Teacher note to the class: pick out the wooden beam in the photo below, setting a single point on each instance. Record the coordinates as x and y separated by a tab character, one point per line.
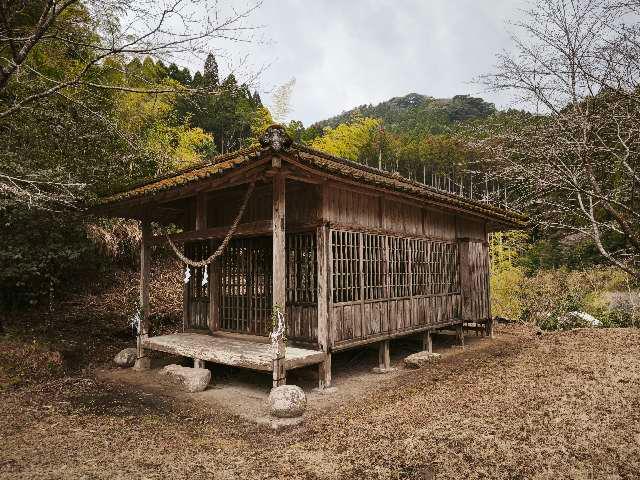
215	281
360	268
279	293
249	229
143	362
201	211
465	280
323	210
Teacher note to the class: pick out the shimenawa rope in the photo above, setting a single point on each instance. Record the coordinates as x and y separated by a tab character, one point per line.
227	238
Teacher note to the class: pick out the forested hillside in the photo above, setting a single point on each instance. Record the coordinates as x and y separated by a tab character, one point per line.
415	113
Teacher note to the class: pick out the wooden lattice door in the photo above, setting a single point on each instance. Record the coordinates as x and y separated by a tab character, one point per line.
197	295
245	303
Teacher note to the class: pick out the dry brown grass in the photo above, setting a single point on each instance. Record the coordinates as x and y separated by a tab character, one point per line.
86	328
564	405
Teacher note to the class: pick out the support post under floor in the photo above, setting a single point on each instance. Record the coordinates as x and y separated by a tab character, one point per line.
197	363
489	327
427	341
460	335
324	373
384	358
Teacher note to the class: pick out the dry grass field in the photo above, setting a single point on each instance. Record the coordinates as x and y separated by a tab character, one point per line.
523	406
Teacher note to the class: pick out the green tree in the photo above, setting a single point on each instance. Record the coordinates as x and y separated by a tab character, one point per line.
210	77
350	140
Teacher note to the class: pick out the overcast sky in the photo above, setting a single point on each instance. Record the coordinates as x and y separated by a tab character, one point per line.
348	53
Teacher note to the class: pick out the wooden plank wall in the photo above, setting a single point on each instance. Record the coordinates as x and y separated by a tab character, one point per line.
416	285
393	299
302	205
475	280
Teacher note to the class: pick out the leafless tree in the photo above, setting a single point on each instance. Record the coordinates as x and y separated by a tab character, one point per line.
576	161
101	36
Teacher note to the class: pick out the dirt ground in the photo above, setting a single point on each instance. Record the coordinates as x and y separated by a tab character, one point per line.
560	405
244	393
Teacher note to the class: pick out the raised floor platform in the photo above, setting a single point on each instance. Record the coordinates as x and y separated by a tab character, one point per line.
232	351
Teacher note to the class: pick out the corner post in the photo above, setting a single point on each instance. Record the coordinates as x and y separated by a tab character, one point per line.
143	362
324	372
489	328
465	280
279	267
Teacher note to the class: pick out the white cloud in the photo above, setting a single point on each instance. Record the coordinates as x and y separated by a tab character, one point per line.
344	54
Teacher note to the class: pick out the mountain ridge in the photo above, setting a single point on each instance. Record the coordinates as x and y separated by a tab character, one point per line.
415	113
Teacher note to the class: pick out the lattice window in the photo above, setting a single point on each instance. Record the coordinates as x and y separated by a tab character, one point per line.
443	268
399	281
345	249
420	267
450	264
374	265
197	251
392	267
301	268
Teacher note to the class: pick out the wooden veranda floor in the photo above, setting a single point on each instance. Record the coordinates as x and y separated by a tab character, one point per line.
232	351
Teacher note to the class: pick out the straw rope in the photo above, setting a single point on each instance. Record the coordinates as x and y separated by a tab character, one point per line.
227	238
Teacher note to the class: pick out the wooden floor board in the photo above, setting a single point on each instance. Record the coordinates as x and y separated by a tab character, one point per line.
230	351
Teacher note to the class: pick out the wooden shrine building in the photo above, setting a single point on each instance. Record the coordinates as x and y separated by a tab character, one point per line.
355	255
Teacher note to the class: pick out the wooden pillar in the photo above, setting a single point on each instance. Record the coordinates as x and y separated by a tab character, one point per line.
279	268
427	341
143	362
214	292
459	335
489	326
201	211
384	358
198	363
465	280
322	240
324	373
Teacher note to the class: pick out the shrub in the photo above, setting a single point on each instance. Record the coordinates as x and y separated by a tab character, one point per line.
549	295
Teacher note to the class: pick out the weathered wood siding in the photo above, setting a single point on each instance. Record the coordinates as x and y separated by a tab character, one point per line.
394	267
302	205
471	229
474	256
